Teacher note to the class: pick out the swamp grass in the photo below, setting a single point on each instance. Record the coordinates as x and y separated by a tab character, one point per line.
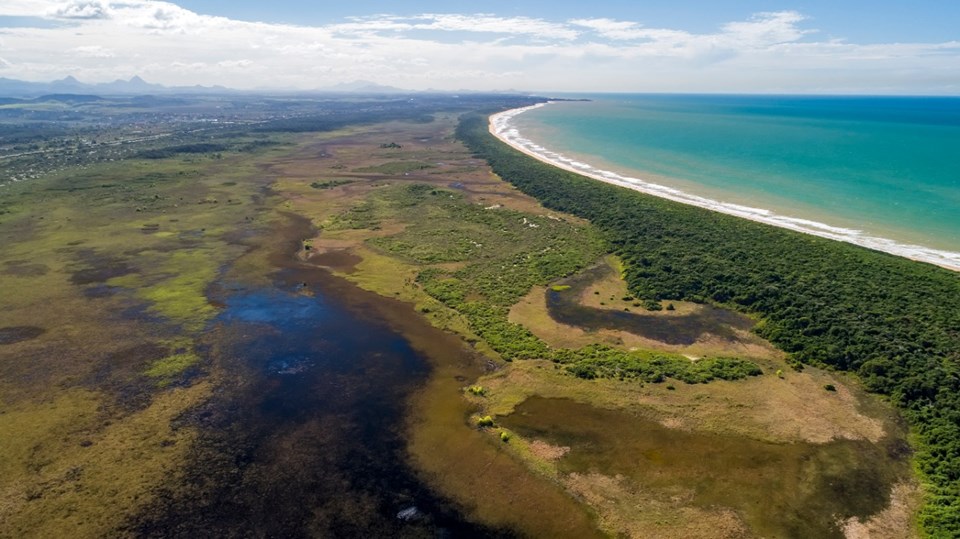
111	264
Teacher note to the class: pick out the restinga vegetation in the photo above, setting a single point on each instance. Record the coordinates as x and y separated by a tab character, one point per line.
500	254
892	321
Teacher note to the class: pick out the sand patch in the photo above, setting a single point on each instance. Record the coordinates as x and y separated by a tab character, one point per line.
547	451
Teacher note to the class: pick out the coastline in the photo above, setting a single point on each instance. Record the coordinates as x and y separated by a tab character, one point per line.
500	127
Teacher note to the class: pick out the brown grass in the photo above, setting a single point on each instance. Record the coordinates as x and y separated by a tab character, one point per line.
545	451
793	409
625	509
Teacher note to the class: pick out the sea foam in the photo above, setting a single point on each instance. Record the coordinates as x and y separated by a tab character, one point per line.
502	127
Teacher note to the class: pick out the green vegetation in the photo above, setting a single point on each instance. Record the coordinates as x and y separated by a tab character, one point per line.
117	259
502	255
599	361
172	366
330	184
890	320
163	153
361	216
478	391
485	421
396	167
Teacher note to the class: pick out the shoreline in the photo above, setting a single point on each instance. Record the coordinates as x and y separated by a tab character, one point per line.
500	127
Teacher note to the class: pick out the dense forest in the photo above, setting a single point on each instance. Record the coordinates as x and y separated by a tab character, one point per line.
892	321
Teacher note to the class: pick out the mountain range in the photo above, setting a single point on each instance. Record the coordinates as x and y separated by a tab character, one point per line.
138	86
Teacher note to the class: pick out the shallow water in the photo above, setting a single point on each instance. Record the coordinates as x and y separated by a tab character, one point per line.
305	436
685	329
780	490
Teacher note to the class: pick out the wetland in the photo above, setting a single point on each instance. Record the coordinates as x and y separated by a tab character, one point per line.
279	338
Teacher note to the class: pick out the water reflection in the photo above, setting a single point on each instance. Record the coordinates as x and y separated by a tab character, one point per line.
305	436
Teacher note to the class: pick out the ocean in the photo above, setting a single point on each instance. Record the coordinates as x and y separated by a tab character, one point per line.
883	172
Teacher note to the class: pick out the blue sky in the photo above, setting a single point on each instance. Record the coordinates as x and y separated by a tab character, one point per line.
746	46
866	21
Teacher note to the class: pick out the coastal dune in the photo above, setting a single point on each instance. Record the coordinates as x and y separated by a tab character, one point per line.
502	127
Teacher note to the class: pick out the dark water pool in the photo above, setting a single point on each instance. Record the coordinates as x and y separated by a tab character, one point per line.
564	307
305	436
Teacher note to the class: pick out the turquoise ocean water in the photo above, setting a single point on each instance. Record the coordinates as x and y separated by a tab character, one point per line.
863	169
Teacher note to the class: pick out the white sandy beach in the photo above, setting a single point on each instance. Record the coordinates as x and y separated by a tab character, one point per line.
501	127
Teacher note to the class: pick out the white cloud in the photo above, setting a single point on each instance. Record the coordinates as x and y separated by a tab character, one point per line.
93	51
107	39
761	30
27	8
765	29
608	27
492	24
229	64
480	23
83	9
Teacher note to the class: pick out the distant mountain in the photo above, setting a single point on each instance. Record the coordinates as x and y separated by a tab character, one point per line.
70	85
70	98
137	86
363	87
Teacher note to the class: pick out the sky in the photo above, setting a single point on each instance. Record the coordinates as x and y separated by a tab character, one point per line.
727	46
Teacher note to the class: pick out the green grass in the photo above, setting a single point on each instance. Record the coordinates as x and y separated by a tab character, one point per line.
362	216
172	366
330	184
504	254
396	167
